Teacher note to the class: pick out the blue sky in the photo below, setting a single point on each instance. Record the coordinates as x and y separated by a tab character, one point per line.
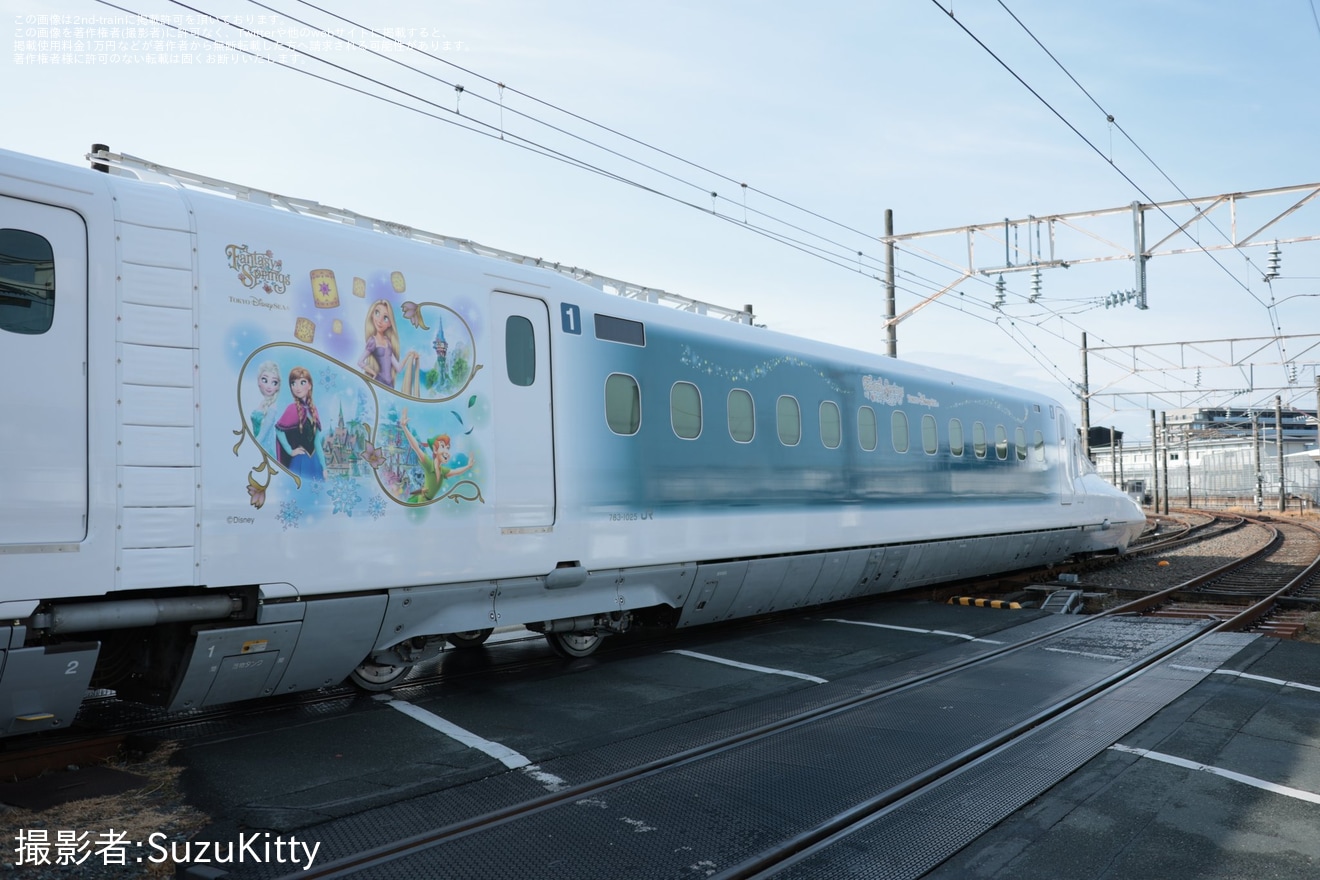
844	109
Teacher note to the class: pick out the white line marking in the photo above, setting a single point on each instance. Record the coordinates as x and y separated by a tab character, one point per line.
549	781
505	755
1247	675
913	629
1083	654
801	675
1297	793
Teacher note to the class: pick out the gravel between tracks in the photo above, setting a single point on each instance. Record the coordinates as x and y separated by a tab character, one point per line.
1159	571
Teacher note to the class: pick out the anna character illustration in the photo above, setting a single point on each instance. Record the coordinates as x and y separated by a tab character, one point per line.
263	417
299	430
434	463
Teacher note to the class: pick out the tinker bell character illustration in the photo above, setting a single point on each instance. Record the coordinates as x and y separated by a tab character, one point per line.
381	359
263	417
299	430
435	466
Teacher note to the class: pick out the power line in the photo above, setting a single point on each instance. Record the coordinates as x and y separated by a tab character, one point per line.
475	126
1109	117
1108	161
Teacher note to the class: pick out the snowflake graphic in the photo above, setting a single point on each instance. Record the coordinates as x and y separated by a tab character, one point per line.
344	495
289	515
329	381
376	507
692	359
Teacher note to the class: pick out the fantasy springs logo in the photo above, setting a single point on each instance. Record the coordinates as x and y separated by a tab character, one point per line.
257	268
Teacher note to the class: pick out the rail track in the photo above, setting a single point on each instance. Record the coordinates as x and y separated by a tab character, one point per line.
1249	595
792	855
1269	592
1279	582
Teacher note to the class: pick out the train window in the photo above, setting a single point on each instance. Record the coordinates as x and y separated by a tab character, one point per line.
867	434
898	424
620	330
1020	443
27	282
978	439
685	410
520	350
831	424
742	416
955	437
930	440
1001	443
623	404
788	416
1040	446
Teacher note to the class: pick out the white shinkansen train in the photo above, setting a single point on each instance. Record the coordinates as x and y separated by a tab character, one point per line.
259	446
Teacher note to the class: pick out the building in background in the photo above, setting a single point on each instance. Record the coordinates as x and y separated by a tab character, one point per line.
1218	458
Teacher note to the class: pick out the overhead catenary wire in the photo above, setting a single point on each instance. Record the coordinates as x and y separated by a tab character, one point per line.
842	260
842	257
1271	306
837	253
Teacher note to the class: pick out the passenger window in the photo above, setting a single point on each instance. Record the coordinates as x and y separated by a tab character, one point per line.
831	425
867	433
1001	443
898	424
1020	443
27	282
520	350
685	410
623	404
742	416
788	415
978	439
1040	446
930	440
955	437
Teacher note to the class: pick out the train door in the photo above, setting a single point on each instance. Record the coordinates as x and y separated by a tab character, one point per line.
43	334
523	470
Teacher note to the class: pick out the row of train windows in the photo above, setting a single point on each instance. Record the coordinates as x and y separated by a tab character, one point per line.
623	413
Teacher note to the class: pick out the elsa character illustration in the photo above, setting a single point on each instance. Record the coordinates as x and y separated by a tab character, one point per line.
434	463
299	430
263	417
381	359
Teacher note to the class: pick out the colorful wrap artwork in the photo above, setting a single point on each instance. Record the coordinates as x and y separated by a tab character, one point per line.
357	404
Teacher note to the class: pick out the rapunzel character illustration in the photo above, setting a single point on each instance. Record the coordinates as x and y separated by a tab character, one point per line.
434	463
263	417
299	430
381	360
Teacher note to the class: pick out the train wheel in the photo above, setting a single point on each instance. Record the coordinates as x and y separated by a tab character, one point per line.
470	639
377	677
573	644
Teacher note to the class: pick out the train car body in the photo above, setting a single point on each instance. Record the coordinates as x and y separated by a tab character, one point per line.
252	452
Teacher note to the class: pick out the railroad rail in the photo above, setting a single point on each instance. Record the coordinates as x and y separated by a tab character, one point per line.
418	854
1262	592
